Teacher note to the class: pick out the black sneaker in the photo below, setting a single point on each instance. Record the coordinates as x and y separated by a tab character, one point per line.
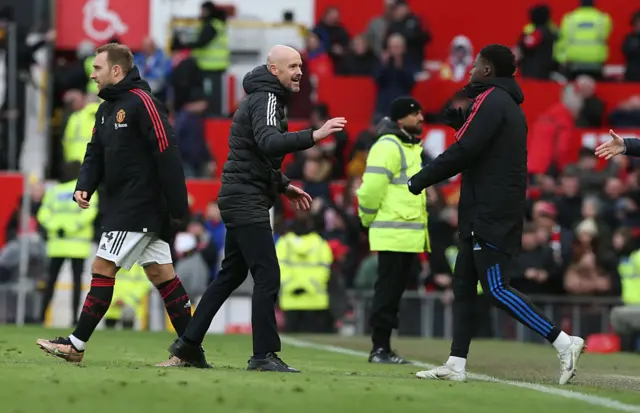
270	363
184	354
383	356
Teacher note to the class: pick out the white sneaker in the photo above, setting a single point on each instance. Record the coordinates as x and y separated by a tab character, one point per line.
569	359
443	372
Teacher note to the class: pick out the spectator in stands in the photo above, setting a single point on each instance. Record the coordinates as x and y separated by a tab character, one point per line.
460	60
211	52
394	75
536	44
189	129
569	200
627	114
316	173
330	153
376	33
628	210
34	198
592	110
592	209
360	150
592	271
407	24
591	179
544	216
631	50
186	79
583	44
300	105
332	34
538	272
552	145
153	66
317	58
613	191
332	148
359	59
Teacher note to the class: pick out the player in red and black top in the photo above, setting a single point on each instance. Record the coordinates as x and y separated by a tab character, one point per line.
491	153
133	153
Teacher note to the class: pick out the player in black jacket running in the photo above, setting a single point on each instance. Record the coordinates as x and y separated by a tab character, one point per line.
251	181
134	154
491	153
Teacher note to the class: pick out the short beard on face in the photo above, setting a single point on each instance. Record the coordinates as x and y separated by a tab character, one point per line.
413	130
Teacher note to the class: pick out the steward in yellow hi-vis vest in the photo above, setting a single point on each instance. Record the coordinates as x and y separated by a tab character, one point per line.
69	234
129	299
584	37
78	132
211	49
397	220
305	270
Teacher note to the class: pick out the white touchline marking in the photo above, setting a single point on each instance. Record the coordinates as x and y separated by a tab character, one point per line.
569	394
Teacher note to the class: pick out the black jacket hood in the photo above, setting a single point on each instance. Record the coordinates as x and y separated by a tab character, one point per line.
508	84
131	81
261	80
388	127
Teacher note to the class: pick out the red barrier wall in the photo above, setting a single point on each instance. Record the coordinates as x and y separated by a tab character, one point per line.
355	98
11	186
484	22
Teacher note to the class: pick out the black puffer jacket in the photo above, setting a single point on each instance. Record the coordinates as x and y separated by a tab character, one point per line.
258	142
491	154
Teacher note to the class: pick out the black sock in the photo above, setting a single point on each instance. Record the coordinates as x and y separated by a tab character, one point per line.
176	301
260	356
95	306
381	339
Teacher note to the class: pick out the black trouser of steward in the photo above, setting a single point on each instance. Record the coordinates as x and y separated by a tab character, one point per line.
77	267
479	260
394	273
246	248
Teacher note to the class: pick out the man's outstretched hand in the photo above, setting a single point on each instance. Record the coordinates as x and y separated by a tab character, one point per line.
329	128
612	148
298	197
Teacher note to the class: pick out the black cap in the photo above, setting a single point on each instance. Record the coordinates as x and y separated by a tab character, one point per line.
404	106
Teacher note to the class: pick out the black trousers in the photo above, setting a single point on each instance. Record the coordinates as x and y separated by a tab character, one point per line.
77	267
246	248
481	261
394	273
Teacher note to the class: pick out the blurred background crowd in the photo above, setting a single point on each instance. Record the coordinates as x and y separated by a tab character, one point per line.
582	227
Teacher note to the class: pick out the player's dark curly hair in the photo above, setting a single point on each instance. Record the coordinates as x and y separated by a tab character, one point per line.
501	58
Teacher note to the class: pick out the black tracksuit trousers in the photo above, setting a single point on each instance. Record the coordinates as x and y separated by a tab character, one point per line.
247	248
479	260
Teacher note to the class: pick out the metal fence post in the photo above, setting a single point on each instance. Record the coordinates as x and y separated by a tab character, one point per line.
12	84
24	240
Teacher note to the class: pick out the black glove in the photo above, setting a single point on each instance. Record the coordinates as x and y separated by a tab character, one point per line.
454	117
179	224
61	233
414	189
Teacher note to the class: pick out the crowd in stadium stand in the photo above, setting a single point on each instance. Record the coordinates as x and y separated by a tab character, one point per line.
583	218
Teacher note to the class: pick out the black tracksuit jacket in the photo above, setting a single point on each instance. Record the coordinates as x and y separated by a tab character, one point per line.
258	142
491	154
133	153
